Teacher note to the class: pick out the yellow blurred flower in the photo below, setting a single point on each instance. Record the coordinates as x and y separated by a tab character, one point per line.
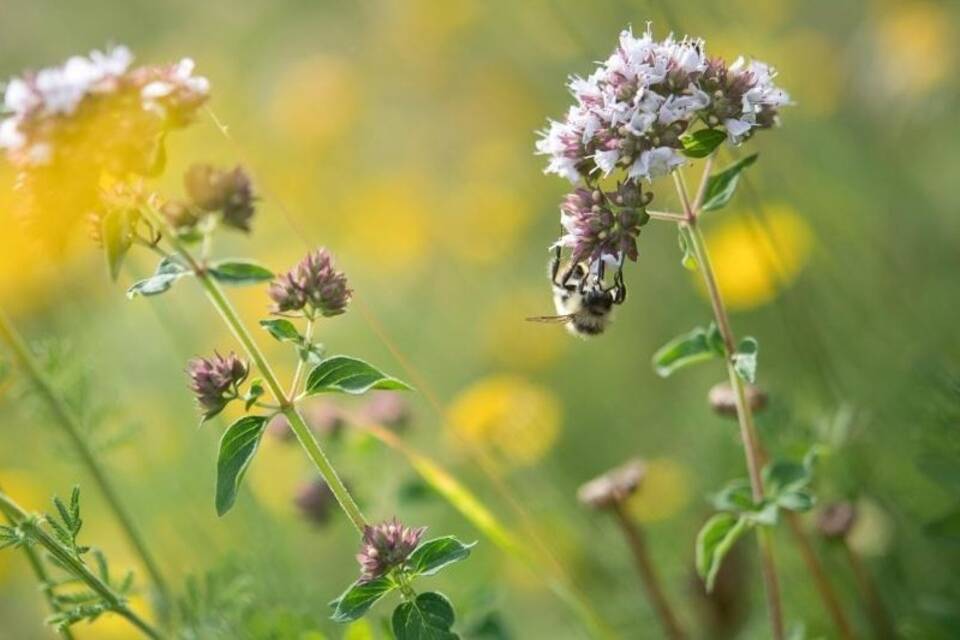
755	258
276	475
315	99
485	222
665	490
512	342
387	223
507	414
915	47
111	626
359	630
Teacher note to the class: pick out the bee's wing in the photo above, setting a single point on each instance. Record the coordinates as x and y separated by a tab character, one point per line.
552	319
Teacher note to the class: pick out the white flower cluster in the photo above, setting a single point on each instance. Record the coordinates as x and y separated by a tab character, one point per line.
631	112
35	102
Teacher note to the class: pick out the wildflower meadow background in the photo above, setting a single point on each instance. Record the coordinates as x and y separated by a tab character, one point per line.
400	135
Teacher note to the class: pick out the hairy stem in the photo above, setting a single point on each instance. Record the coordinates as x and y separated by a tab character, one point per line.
748	432
299	426
43	579
68	422
74	565
648	575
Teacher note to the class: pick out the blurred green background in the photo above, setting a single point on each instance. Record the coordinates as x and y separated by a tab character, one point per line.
400	134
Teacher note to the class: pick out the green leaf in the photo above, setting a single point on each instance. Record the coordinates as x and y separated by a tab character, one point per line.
766	514
702	143
798	501
689	260
168	272
256	390
781	476
946	527
687	349
714	541
237	447
359	597
722	185
116	234
428	617
745	359
735	497
344	374
282	329
239	272
434	555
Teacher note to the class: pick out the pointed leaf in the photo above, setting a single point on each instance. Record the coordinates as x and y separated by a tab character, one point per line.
282	329
116	236
359	597
239	272
344	374
434	555
689	260
687	349
745	359
168	271
237	448
428	617
722	185
714	541
702	143
799	501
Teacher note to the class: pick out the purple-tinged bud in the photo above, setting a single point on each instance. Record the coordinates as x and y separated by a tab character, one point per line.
215	381
229	192
835	520
387	409
313	283
386	546
179	214
600	225
723	400
315	501
614	486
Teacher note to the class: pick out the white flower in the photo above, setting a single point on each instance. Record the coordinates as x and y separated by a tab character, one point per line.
10	136
655	163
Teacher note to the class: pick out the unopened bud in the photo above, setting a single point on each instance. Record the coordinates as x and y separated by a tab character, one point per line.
614	486
723	399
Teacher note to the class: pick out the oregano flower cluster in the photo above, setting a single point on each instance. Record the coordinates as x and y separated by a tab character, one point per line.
631	116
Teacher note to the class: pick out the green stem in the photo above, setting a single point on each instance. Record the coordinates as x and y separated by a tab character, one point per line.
40	572
301	361
748	432
70	425
74	565
299	426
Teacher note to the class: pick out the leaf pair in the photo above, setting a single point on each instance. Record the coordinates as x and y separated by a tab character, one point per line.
427	559
702	344
233	272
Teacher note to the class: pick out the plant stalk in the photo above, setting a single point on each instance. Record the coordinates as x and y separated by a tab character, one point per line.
748	432
299	426
648	575
70	425
67	559
878	612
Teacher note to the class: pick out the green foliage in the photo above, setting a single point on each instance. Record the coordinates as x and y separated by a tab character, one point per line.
239	272
689	260
702	142
168	271
237	447
253	394
690	348
285	331
714	541
722	185
68	527
359	597
429	558
745	359
439	553
215	605
116	235
344	374
427	617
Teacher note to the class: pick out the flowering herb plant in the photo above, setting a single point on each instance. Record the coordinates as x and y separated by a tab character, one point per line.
648	110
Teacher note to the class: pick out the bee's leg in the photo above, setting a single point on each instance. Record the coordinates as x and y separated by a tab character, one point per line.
582	285
601	271
555	266
620	295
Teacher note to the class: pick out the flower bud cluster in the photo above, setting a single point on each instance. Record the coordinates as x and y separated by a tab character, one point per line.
599	224
212	189
312	287
386	546
215	381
